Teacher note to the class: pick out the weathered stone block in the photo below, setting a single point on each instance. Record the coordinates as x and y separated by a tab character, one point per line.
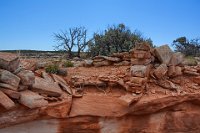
32	100
27	77
9	61
5	101
160	71
9	78
176	59
164	54
45	87
140	70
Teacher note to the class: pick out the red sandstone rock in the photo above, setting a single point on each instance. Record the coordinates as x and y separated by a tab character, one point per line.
9	61
32	100
139	54
9	78
97	105
197	80
140	61
11	93
8	86
140	71
47	77
45	87
27	77
6	102
160	71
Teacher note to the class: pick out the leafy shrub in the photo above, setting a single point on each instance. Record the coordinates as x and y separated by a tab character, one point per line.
52	69
68	64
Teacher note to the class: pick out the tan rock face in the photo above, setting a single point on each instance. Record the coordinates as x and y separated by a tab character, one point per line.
5	101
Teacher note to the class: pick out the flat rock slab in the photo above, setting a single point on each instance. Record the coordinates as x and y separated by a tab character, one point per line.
32	100
9	61
164	54
9	78
5	101
98	105
11	93
43	86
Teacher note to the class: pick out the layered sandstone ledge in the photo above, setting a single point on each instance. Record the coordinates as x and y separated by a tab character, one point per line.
155	94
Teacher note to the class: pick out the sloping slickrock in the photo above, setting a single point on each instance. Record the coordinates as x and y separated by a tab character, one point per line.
63	83
11	93
47	77
164	54
45	87
32	100
9	78
5	101
9	61
98	105
27	77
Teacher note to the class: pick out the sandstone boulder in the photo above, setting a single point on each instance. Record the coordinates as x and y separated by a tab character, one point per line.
62	83
8	86
9	78
45	87
160	71
5	101
32	100
27	77
140	70
137	81
47	77
9	61
176	59
164	54
12	94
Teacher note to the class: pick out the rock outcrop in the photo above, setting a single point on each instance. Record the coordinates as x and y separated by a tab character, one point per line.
154	94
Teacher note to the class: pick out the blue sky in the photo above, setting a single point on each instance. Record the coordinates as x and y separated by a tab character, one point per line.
30	24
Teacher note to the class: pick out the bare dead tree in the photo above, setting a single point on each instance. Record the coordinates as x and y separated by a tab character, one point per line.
76	37
81	39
